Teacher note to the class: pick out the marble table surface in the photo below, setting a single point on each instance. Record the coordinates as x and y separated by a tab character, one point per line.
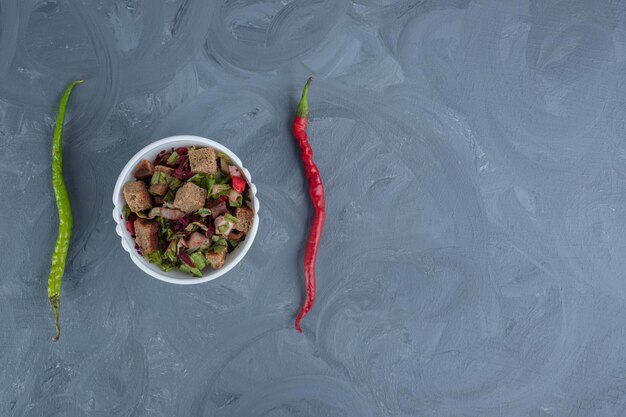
474	257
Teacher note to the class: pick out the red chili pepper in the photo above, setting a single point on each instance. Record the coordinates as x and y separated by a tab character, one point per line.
239	184
316	193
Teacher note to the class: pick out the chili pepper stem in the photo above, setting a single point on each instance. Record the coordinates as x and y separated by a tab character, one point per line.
55	302
303	106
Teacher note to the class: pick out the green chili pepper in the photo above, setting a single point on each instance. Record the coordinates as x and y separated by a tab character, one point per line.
59	256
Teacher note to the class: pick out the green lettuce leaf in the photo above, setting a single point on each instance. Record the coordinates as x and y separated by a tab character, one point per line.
126	211
198	260
219	190
222	178
173	158
160	177
219	245
171	251
154	257
230	218
166	231
203	180
204	212
219	248
185	268
158	258
175	184
237	203
169	197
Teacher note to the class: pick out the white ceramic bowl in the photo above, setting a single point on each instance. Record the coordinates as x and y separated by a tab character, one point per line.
128	243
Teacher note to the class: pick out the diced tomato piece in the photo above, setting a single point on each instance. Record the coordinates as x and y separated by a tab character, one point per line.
181	151
239	184
130	226
224	198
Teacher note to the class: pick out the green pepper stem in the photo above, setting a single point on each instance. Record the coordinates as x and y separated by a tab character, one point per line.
303	107
56	305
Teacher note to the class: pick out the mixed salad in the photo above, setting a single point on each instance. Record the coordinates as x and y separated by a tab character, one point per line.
187	209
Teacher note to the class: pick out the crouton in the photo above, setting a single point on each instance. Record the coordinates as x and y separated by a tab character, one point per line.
147	235
163	168
159	189
137	196
245	216
218	207
216	260
144	170
203	160
190	198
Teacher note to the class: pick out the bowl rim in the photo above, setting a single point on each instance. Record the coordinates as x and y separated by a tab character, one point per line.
121	227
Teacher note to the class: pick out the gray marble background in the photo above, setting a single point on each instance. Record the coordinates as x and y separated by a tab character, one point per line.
474	258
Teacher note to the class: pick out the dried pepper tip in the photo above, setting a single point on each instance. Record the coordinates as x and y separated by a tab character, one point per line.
303	107
55	303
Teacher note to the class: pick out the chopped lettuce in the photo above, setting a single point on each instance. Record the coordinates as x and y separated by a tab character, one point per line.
164	224
185	268
237	203
159	259
172	250
169	197
173	158
141	215
219	190
205	181
235	199
219	244
126	212
160	177
154	257
233	242
175	184
230	218
166	231
198	260
204	212
193	226
222	178
219	248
